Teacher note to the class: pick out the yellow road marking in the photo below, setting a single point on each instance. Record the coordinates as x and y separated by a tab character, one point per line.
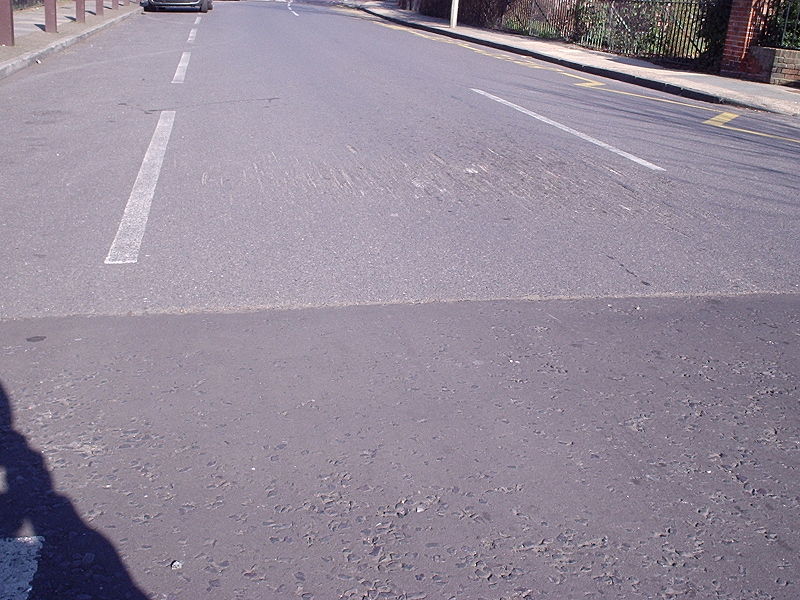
662	100
468	46
722	120
586	82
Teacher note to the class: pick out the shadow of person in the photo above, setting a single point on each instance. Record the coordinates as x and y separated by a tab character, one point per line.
75	562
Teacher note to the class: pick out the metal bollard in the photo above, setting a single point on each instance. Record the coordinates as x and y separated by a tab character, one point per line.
50	18
80	11
6	23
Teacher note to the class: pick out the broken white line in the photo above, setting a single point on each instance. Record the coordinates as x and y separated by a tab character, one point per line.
583	136
125	248
192	35
180	72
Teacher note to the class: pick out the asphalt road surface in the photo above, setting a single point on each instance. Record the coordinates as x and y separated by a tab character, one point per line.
295	303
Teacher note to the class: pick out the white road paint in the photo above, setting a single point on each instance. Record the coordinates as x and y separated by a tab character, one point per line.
583	136
180	72
18	562
192	35
197	20
125	248
287	2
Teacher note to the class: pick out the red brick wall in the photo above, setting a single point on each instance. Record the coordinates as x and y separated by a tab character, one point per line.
746	22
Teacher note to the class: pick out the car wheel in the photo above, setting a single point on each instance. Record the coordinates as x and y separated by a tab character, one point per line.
210	4
148	7
204	6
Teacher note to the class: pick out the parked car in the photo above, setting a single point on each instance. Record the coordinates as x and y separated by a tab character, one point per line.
201	5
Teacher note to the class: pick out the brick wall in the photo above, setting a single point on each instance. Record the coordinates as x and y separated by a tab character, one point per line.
786	68
748	18
774	65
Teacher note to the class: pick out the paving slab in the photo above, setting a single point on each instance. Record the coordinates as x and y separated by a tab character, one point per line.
32	43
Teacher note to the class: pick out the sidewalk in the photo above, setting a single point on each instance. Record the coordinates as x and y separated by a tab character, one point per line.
698	86
32	44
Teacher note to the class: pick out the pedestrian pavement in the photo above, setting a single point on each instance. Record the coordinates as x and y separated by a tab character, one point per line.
33	44
698	86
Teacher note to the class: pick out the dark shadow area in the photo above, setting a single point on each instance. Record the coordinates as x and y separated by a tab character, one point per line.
20	4
76	561
173	9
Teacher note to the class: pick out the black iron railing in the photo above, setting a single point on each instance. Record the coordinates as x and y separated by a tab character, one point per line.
782	25
20	4
684	32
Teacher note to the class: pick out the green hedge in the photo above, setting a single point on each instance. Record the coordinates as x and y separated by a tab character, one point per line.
783	26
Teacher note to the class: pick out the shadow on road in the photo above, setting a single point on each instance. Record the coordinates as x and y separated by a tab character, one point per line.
76	561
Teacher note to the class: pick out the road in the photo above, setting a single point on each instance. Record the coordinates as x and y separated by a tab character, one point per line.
298	303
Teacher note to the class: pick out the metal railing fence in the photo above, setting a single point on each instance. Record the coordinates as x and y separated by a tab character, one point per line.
686	33
690	33
20	4
782	25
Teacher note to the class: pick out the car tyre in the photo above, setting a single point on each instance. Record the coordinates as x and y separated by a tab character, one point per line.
204	6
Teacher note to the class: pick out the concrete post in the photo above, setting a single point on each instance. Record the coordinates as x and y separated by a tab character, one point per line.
50	17
98	7
80	11
453	13
6	23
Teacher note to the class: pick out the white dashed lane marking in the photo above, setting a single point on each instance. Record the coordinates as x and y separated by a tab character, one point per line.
180	72
583	136
125	248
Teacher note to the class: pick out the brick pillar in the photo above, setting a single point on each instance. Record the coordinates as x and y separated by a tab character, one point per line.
745	25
